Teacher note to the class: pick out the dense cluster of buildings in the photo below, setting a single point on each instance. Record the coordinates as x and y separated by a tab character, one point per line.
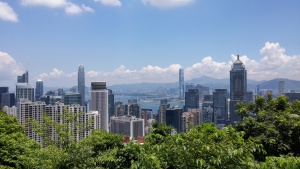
102	112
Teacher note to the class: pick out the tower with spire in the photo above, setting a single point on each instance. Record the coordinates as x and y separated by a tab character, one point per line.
238	88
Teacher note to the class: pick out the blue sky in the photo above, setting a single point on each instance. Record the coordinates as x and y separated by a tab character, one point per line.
147	40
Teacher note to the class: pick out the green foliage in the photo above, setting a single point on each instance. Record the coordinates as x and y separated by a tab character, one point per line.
159	133
281	162
16	149
276	126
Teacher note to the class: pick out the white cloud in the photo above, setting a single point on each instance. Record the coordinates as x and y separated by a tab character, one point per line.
110	2
70	8
7	13
87	8
274	63
9	68
55	74
167	3
46	3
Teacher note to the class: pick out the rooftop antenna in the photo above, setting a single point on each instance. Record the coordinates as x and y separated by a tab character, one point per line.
238	49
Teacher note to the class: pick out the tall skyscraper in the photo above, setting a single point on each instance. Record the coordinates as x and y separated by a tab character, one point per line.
39	89
81	84
238	88
2	91
181	83
191	99
99	102
23	78
220	107
111	103
281	87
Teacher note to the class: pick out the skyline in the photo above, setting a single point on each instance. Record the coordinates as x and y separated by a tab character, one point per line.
134	41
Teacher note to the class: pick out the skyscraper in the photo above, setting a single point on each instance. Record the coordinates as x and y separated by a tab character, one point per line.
23	78
220	109
181	83
191	99
81	84
281	86
111	103
2	90
99	102
238	88
39	89
173	118
24	91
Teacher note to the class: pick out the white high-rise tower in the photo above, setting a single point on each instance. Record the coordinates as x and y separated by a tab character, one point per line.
99	102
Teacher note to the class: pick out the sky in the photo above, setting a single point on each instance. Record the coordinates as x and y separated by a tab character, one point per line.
133	41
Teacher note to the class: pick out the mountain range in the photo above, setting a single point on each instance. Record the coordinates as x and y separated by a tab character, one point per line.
212	83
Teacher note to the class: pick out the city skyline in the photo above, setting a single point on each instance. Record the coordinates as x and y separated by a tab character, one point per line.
124	42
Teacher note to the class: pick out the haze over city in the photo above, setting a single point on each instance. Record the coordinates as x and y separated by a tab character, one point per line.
147	40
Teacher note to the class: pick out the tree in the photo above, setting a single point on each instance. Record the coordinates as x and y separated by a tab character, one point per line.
276	125
16	149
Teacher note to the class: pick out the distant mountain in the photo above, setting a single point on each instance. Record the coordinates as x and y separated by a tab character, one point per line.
273	84
210	82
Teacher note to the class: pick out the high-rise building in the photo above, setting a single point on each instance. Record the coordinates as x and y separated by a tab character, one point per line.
238	88
258	89
92	117
31	110
35	110
202	91
8	99
191	99
24	91
99	102
119	109
162	110
81	84
293	96
39	89
181	83
72	98
146	114
220	108
133	108
111	103
23	78
189	86
208	115
128	126
207	101
190	119
2	90
173	118
281	87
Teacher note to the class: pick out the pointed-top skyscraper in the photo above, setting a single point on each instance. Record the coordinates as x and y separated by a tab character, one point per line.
238	88
181	84
81	83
